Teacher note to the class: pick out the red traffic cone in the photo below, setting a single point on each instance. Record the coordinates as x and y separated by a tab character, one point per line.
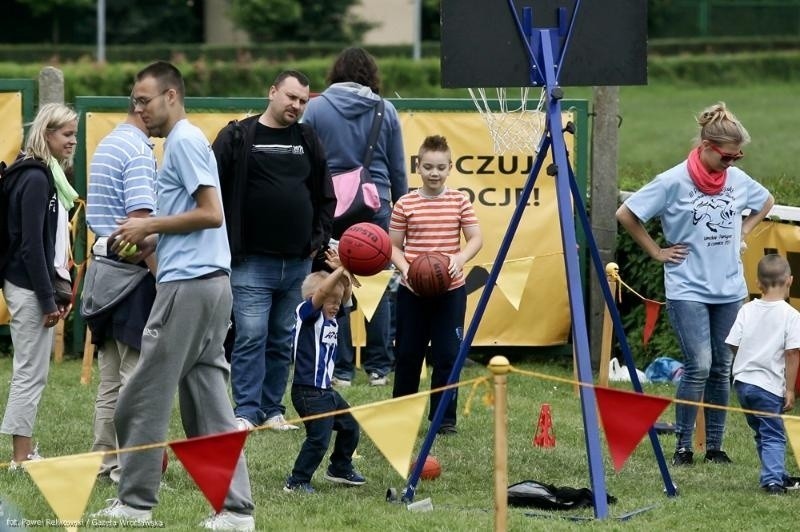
544	436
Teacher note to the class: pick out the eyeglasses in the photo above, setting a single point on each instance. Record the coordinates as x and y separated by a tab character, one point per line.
726	157
144	102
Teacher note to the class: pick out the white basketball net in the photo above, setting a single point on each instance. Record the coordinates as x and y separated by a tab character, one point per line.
512	130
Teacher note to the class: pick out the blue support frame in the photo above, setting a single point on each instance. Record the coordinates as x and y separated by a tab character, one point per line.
544	46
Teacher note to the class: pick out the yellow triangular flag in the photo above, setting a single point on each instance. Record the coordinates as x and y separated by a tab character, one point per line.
792	427
66	482
393	427
513	278
358	332
371	291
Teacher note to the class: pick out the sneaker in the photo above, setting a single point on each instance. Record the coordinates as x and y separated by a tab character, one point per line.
791	483
377	380
279	423
116	509
34	455
353	478
227	520
717	457
774	489
244	424
447	429
340	383
683	456
293	486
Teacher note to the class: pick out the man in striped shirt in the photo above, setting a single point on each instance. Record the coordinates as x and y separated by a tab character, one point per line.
121	184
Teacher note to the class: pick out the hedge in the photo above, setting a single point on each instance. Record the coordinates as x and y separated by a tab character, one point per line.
401	76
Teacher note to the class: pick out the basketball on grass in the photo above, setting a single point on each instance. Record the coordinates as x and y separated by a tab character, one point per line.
428	274
365	249
431	470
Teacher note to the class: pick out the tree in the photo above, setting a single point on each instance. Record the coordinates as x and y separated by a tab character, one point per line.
299	20
55	8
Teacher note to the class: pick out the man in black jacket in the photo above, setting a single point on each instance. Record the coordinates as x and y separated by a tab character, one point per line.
279	201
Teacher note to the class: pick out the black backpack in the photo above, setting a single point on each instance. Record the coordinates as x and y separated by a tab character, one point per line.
8	176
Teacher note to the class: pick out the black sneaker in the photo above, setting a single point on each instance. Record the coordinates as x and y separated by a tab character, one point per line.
353	478
447	429
791	483
717	457
774	489
683	456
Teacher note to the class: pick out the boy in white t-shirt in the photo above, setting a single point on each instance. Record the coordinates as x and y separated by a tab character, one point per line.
766	340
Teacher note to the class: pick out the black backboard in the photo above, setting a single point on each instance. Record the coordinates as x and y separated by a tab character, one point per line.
482	47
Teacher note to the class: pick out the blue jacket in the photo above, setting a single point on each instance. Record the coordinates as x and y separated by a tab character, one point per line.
342	117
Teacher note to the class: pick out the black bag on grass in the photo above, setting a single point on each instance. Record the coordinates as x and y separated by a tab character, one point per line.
532	494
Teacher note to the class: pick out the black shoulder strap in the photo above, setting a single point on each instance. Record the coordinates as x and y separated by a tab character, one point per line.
373	134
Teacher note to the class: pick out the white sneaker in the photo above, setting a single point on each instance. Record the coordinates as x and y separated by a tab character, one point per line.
116	509
227	520
279	423
17	466
377	380
340	383
244	424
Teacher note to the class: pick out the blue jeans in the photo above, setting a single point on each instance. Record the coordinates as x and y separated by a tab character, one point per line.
701	329
378	354
266	292
770	435
309	401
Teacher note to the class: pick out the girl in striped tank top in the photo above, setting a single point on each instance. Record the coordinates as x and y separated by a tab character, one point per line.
431	218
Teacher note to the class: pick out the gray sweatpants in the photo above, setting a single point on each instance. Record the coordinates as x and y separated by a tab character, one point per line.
181	350
33	343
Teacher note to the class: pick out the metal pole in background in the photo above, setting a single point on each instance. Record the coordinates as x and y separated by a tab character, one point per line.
417	30
101	31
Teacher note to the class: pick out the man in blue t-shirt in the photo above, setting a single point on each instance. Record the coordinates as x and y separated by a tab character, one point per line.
182	341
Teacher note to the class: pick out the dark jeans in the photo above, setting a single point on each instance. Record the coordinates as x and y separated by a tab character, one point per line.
440	321
309	401
377	355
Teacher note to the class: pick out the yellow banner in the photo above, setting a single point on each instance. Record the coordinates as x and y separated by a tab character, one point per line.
493	183
10	144
533	313
773	237
10	125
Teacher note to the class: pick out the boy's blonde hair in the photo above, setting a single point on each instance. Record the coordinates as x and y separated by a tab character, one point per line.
773	271
312	282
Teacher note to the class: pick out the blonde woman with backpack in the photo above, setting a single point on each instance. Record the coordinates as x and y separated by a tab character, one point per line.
38	198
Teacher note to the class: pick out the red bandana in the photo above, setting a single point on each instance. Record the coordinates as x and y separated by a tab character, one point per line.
710	183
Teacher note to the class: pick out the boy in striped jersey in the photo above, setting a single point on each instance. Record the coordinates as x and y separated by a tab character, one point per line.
432	218
314	349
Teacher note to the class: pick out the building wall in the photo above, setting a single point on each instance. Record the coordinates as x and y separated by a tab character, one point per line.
395	19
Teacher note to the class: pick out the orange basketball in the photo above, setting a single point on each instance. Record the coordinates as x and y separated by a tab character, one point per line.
431	470
428	274
365	249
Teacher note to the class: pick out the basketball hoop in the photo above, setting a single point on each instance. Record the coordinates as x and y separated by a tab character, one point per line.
512	130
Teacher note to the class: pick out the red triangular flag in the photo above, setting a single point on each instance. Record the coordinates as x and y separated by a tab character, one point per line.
626	417
651	311
211	461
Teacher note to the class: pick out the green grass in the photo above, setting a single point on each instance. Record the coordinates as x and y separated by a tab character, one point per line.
722	497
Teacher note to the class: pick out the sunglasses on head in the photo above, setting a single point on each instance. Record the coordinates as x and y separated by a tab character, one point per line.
726	157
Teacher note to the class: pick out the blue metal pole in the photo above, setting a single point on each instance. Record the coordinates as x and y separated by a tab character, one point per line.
569	241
